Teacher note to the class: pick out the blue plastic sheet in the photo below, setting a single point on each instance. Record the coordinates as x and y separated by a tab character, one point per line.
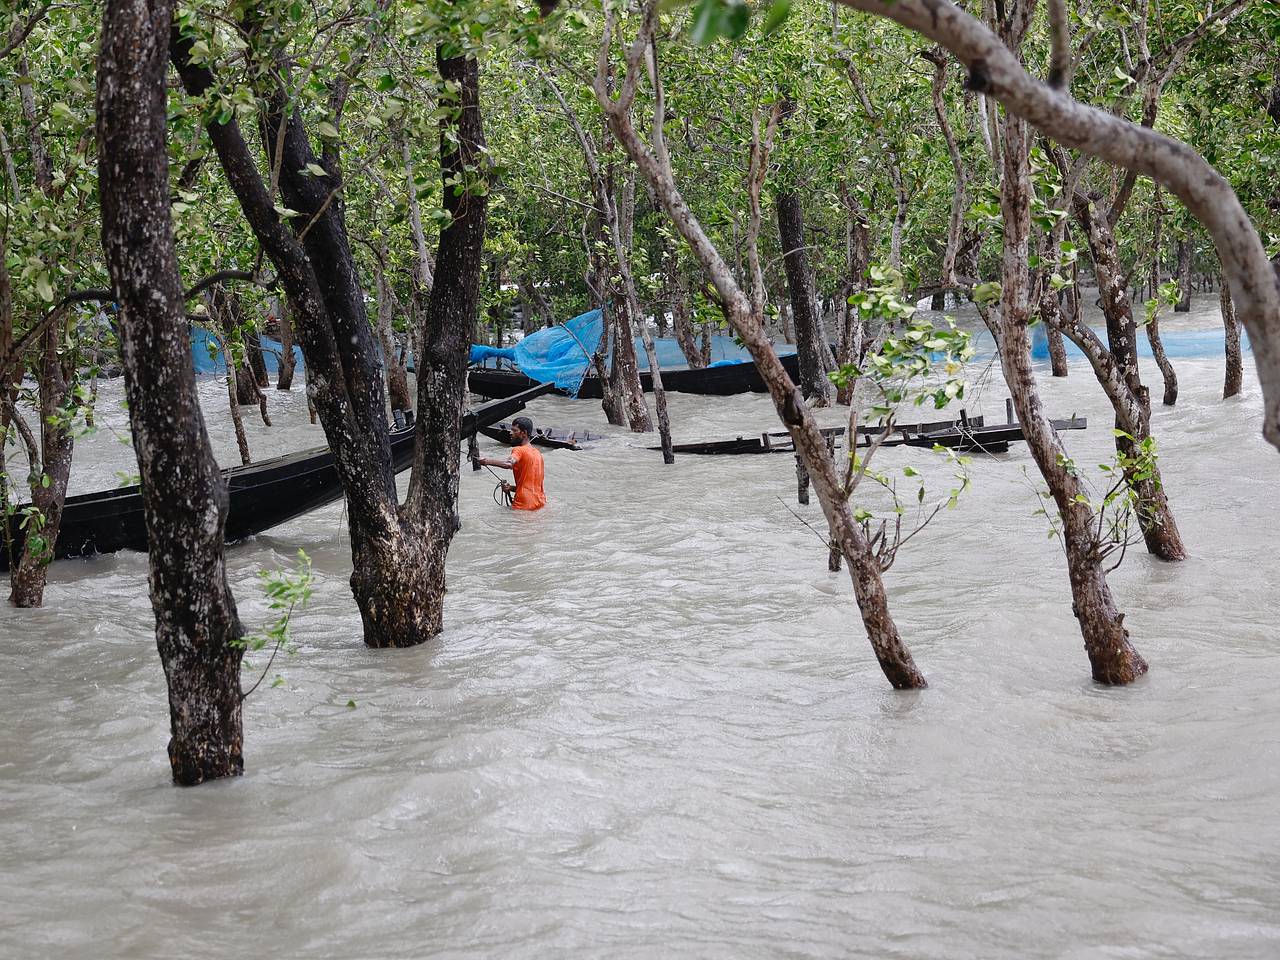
561	354
207	358
1187	344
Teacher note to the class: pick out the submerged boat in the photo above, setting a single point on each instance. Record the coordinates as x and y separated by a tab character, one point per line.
562	355
262	495
965	434
722	381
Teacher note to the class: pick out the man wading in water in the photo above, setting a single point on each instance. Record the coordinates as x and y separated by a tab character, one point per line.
526	463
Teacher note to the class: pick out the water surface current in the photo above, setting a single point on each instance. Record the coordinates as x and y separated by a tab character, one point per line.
653	725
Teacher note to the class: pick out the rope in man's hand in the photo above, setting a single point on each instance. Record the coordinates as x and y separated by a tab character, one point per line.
503	493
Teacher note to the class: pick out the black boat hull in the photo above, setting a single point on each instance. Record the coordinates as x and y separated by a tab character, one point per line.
722	381
261	495
552	438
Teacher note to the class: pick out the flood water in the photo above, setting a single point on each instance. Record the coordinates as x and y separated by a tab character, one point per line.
653	726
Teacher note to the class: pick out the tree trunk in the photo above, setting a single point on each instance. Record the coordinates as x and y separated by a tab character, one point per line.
813	375
852	327
284	379
257	362
813	380
1184	275
397	376
1111	656
198	631
400	585
1159	529
344	376
237	421
677	291
1231	328
1051	317
864	569
51	468
626	368
28	579
1167	372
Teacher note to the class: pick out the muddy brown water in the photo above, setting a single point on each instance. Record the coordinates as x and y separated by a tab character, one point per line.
653	727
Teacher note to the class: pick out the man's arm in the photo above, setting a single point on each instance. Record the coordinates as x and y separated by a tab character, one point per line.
506	463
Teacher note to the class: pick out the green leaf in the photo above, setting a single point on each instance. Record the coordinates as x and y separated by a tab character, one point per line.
776	16
44	288
315	170
703	30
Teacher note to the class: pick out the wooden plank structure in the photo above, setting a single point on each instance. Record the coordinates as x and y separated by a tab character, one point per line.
965	434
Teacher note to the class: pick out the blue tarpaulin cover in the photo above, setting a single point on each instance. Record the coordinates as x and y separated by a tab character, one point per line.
206	353
559	354
1177	343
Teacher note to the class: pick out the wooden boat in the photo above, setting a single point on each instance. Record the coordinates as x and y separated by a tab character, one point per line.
550	437
965	434
262	495
715	381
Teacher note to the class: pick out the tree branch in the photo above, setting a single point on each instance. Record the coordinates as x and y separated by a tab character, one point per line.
995	70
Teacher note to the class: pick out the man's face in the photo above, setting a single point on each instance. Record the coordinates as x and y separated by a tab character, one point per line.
518	434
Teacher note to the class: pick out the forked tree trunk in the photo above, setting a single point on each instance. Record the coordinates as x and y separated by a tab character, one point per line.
344	378
198	631
1111	656
400	586
1159	529
1234	380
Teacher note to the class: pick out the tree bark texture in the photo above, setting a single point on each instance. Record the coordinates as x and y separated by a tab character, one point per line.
813	381
408	596
1184	276
1234	380
1159	529
397	375
795	258
184	495
1112	657
284	379
28	578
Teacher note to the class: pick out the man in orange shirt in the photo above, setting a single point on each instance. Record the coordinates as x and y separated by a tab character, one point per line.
526	463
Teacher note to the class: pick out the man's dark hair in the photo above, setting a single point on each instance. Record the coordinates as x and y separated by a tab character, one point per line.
524	423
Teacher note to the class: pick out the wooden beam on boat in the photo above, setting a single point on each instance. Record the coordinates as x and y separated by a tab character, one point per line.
262	495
